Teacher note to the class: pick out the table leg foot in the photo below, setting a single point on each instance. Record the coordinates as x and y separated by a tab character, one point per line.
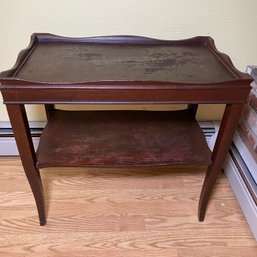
37	189
42	222
209	182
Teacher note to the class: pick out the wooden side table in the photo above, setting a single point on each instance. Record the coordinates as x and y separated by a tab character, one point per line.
122	70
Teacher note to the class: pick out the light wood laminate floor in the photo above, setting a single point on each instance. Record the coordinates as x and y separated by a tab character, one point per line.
119	213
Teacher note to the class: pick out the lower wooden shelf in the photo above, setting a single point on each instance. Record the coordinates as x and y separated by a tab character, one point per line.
122	138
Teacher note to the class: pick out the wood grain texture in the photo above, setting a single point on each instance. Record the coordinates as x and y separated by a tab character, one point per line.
122	76
119	213
122	138
195	60
103	67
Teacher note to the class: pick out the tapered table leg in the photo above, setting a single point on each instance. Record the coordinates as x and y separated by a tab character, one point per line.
25	146
227	128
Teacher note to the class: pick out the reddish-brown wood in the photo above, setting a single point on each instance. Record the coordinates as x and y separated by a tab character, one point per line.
227	128
155	95
121	70
25	146
131	58
122	138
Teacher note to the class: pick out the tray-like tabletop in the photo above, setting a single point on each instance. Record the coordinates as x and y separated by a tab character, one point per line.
79	62
56	60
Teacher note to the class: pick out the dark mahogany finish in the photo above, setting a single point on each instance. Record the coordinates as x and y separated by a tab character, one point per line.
122	70
122	138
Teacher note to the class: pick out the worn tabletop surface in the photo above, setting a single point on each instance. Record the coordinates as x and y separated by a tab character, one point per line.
85	62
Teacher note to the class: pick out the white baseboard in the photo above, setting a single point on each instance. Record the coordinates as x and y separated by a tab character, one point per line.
8	146
242	194
7	143
236	182
246	154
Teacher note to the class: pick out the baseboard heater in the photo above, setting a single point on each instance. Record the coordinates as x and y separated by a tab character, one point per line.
7	141
240	168
8	145
241	172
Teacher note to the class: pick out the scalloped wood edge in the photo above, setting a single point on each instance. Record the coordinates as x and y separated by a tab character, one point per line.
225	59
8	77
22	57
